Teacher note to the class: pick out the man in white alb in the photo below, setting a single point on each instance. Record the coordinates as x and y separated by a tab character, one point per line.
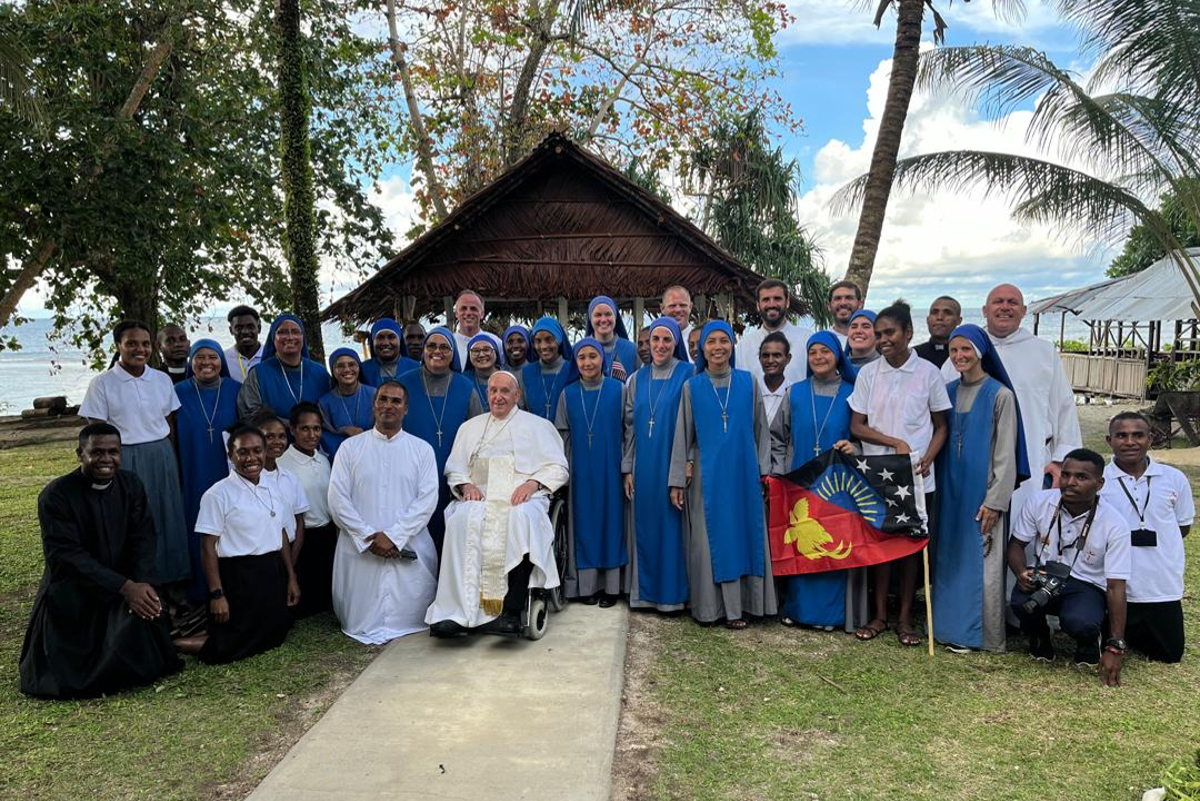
382	492
1045	396
499	541
773	300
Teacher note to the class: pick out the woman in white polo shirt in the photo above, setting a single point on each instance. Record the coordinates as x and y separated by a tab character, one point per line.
247	559
899	406
139	402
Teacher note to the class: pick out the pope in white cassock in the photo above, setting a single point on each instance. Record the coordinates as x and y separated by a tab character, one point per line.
382	492
1044	395
499	542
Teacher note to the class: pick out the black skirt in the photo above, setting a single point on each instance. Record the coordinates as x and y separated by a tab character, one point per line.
259	617
314	570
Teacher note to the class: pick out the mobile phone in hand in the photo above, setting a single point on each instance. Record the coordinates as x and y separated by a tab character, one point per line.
408	554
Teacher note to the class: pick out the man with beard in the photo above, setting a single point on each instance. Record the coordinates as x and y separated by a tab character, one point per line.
845	298
773	302
246	351
173	348
945	314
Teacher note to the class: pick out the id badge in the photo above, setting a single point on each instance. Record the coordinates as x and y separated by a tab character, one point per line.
1143	538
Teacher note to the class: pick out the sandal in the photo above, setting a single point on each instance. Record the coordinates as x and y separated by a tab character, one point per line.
869	632
908	637
736	625
787	621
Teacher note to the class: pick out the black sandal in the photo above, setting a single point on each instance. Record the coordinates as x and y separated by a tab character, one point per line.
868	632
736	625
908	637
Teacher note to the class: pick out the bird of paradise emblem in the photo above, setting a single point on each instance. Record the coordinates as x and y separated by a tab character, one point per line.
810	538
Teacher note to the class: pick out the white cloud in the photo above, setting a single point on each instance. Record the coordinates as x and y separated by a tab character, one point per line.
840	22
960	244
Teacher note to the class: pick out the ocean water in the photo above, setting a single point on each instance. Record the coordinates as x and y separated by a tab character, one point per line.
44	368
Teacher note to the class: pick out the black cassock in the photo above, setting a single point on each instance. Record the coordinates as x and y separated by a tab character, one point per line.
82	640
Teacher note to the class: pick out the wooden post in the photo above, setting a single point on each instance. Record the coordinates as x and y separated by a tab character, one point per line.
409	303
928	599
448	306
700	306
1062	330
1037	318
639	312
562	312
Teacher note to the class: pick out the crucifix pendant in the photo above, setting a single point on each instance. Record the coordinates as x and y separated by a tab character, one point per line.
439	436
816	450
547	410
651	427
725	422
589	440
210	435
272	513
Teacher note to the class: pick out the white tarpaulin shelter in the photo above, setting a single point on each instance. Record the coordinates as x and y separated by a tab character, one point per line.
1160	293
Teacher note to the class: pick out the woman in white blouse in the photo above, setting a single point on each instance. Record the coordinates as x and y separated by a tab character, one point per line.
139	402
247	559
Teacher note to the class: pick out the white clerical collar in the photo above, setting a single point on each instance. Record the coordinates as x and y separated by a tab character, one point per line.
176	370
508	416
103	486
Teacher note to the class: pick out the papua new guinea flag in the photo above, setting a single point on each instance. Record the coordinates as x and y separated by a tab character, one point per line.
839	511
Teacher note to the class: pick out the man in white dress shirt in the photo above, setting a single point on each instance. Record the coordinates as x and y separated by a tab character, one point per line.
499	541
246	351
773	300
677	303
468	314
382	492
1045	396
774	359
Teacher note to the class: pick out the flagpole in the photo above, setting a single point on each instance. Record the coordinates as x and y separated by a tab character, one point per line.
928	598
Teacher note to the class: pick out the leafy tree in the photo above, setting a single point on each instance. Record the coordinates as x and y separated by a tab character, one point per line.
158	191
1134	130
1143	248
877	188
747	192
485	80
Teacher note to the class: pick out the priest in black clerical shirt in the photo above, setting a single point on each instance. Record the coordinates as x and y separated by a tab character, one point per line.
173	348
945	314
97	625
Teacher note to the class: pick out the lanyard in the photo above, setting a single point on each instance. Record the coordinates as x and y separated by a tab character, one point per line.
1079	540
1141	514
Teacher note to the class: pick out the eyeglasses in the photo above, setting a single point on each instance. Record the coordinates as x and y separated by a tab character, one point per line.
481	351
434	347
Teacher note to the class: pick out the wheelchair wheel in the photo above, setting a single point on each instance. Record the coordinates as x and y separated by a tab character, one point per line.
535	623
556	598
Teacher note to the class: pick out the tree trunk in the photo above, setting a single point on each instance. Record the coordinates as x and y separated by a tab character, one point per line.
299	197
437	195
906	54
35	265
518	113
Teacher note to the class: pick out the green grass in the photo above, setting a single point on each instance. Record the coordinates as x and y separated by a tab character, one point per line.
774	713
187	737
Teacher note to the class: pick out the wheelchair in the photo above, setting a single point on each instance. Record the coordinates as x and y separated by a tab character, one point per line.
541	602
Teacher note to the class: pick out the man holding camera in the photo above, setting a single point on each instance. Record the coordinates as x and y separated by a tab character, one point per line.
1156	501
1082	560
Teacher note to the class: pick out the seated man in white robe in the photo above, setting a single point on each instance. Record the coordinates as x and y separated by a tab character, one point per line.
382	492
499	542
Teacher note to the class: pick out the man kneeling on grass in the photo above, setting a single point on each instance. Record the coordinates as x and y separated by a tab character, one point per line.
97	625
1081	563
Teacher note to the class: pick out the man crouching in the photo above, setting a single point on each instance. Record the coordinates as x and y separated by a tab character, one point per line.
499	542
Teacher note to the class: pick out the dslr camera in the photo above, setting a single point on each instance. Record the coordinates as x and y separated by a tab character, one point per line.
1048	582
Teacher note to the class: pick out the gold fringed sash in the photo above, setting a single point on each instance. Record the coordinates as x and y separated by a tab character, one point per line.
493	544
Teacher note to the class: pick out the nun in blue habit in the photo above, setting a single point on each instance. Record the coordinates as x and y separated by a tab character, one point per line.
658	559
542	379
604	324
983	461
207	408
440	399
722	433
348	408
814	418
478	350
285	376
386	344
517	351
589	419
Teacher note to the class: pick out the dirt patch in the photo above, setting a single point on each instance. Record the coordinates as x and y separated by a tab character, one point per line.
293	724
639	733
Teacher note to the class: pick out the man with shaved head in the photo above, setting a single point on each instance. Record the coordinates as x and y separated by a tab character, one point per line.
499	541
1045	396
468	313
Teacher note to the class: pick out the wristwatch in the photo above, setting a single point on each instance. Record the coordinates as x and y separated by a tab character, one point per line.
1116	645
217	593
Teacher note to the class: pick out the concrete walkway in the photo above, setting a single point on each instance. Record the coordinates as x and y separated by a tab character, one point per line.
481	718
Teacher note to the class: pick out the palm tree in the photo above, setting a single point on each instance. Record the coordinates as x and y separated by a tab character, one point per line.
1132	132
17	91
910	17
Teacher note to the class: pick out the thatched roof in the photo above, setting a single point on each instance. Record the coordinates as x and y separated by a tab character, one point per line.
562	223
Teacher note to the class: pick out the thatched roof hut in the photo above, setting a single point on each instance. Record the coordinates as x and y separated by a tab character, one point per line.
554	231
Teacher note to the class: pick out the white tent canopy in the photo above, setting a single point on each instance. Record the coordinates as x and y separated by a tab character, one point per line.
1158	293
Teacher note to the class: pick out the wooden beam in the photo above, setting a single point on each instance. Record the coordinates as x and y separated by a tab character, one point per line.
563	310
639	312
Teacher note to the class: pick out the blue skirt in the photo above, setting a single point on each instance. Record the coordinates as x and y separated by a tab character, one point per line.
154	463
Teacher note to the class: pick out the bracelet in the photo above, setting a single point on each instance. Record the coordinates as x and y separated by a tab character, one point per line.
1110	649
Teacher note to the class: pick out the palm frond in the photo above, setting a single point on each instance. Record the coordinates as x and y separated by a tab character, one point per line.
1150	46
1040	191
17	91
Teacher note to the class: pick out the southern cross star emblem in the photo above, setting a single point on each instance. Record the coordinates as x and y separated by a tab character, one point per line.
886	475
861	466
902	518
902	492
